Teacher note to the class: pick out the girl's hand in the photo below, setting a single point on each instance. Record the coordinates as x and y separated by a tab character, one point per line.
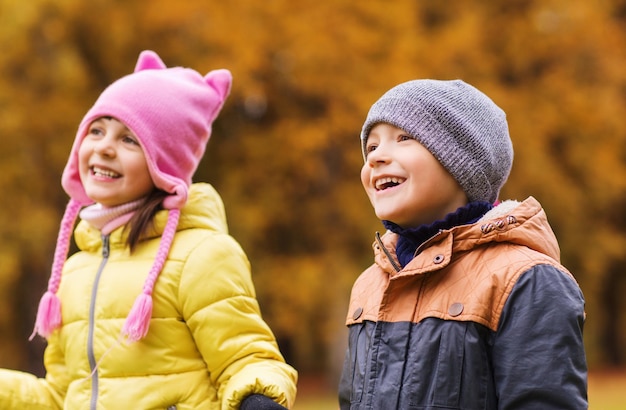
260	402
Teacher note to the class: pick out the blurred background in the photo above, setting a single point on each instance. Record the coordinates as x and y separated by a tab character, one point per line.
285	153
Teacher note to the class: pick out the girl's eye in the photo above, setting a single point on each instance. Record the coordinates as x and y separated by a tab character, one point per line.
130	140
95	131
370	148
405	137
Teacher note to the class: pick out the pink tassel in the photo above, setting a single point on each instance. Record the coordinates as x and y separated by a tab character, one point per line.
138	320
48	315
49	311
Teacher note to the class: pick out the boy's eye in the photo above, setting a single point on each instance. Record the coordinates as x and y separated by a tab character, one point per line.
369	148
405	137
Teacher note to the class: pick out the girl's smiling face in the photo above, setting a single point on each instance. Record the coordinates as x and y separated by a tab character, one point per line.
112	164
405	183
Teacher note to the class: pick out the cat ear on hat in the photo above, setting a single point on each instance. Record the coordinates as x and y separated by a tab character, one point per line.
221	81
149	60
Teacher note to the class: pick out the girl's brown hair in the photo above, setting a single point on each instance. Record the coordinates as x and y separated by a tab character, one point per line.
143	218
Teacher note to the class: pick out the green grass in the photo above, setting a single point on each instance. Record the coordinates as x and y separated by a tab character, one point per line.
607	391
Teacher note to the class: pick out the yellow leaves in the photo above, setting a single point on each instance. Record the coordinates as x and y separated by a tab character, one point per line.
285	152
305	300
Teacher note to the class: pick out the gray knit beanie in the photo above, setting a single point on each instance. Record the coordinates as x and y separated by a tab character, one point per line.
462	127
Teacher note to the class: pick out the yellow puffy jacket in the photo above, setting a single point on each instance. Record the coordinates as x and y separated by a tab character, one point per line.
207	347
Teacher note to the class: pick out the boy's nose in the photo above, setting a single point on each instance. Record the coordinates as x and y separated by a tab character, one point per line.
377	156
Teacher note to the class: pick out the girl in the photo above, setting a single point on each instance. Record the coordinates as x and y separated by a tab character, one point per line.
157	310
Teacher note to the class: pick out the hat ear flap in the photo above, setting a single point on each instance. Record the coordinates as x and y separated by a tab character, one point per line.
148	60
220	81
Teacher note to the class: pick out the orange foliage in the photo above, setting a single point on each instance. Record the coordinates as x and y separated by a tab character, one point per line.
285	151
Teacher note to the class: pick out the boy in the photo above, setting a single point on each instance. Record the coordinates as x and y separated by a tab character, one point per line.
466	305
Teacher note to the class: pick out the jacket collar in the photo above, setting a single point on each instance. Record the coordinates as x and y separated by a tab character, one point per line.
523	223
204	209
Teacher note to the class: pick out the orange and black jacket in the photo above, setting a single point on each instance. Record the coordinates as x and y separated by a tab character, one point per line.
483	317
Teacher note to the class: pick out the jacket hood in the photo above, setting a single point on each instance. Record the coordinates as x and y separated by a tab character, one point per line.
204	210
520	223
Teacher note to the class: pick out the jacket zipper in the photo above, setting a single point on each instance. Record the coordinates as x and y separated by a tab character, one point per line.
382	246
92	308
426	242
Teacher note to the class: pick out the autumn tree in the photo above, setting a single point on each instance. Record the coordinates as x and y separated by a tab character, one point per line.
285	153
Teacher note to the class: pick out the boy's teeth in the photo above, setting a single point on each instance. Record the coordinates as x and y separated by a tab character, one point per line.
388	182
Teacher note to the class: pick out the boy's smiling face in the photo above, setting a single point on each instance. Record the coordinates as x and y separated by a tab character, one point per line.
405	183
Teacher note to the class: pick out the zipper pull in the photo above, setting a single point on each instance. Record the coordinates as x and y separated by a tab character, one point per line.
105	246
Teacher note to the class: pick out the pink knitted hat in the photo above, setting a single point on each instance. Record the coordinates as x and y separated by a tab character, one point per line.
171	111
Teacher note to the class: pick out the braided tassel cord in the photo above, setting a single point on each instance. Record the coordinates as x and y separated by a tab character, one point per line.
138	320
49	311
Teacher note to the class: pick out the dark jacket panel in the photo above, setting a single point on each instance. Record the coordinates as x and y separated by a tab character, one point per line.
484	317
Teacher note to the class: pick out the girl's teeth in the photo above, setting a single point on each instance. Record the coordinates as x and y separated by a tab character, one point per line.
105	173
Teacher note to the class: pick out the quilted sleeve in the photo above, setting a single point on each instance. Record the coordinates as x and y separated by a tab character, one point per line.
538	353
220	307
24	391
